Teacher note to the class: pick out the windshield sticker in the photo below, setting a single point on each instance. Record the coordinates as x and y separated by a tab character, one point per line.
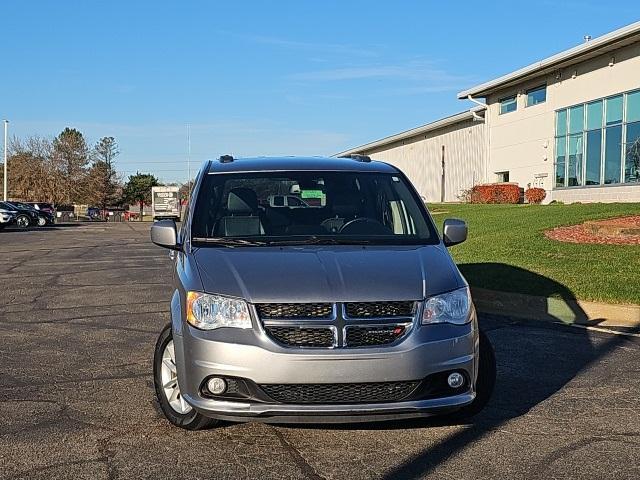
315	198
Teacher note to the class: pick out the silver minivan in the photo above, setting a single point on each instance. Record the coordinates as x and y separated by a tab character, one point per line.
348	309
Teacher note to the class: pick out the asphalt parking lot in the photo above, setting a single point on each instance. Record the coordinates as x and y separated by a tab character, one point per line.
80	309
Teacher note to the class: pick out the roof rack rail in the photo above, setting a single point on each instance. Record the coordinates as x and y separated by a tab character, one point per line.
357	157
226	158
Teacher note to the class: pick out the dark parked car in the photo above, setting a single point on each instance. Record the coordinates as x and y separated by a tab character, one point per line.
43	207
42	217
26	215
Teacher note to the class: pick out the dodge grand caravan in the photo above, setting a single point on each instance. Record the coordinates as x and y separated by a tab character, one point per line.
347	307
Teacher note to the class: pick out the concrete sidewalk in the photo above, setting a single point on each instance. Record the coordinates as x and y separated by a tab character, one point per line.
565	310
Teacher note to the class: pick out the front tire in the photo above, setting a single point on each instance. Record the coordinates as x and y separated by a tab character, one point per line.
42	221
23	221
165	378
485	382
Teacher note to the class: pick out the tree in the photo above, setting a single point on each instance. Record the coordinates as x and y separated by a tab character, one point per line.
33	172
72	155
102	180
185	190
138	189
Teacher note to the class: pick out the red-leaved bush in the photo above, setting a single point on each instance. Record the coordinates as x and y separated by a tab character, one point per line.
535	195
496	193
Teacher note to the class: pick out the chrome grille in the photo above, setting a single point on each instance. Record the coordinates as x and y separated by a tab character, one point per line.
379	309
293	336
373	335
294	310
340	392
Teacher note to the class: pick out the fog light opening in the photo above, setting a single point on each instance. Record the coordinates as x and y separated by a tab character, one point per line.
455	380
216	385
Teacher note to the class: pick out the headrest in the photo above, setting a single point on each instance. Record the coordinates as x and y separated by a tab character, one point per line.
242	200
346	204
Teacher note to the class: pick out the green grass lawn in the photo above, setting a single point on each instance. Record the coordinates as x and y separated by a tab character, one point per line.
507	250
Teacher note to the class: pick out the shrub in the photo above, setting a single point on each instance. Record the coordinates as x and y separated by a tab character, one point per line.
496	193
535	195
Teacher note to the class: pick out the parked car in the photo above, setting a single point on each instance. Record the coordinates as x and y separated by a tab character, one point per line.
42	217
7	215
25	215
43	207
350	312
287	201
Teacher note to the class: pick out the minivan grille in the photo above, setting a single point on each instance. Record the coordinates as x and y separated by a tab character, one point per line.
293	336
294	310
337	325
379	309
370	335
340	392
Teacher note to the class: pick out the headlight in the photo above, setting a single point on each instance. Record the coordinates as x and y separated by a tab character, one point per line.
452	307
208	312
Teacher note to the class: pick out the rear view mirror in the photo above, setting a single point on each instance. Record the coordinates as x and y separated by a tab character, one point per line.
164	234
454	231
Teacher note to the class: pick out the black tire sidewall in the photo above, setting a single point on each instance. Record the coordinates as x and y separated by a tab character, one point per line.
191	420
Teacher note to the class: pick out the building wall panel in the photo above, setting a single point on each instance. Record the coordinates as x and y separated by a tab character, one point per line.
420	158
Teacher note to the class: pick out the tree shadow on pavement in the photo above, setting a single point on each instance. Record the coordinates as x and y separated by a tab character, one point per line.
531	367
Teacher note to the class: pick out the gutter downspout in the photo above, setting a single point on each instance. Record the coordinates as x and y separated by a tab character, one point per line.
488	133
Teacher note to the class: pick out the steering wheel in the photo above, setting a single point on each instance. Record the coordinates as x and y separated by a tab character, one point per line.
365	226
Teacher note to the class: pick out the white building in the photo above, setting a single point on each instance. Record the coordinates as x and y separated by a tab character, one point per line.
569	123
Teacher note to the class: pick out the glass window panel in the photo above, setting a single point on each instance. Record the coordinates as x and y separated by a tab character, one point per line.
614	110
508	105
536	95
594	115
576	119
561	150
561	122
612	154
632	153
633	106
594	151
574	173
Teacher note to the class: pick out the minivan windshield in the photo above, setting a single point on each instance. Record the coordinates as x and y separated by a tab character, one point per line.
309	207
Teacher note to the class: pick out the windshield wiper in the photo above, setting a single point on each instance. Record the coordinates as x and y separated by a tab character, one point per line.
228	242
315	240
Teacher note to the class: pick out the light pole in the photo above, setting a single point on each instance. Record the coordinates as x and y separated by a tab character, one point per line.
6	137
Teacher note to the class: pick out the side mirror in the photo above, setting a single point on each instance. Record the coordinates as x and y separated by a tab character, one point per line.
164	234
454	231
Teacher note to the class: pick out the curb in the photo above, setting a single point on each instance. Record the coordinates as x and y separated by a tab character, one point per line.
567	311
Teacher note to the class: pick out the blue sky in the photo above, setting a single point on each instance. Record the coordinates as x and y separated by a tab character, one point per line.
265	78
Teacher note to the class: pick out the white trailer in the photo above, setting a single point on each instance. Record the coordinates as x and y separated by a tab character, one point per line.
165	203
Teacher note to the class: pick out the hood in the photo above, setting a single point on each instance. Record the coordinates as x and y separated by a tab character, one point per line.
327	273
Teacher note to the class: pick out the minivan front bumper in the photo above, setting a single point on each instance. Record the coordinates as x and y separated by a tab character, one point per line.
251	355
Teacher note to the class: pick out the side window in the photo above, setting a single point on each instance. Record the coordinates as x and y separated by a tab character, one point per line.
508	104
186	204
502	177
536	95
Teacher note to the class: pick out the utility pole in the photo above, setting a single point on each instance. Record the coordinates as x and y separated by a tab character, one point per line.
189	164
6	138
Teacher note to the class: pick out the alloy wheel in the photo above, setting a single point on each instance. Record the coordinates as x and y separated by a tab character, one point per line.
42	221
22	221
169	378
